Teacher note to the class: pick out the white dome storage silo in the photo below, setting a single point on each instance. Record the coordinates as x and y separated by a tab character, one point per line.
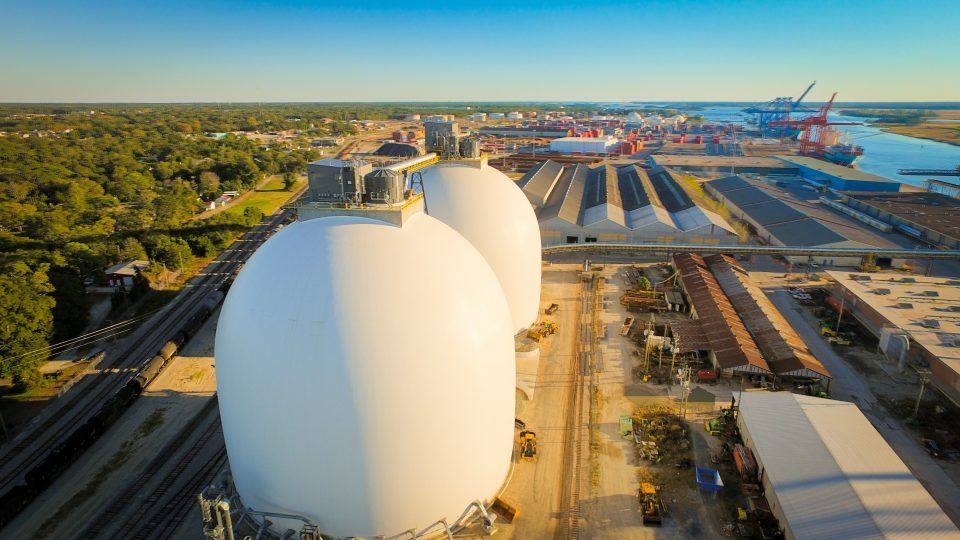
492	213
366	375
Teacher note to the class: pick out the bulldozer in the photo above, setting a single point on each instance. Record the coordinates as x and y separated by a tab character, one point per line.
650	504
528	445
722	423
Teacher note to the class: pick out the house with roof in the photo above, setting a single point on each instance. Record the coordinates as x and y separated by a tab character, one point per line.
124	274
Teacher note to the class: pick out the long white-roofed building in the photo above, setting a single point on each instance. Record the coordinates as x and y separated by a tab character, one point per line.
827	473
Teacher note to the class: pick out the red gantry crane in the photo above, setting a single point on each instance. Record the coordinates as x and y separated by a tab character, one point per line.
812	129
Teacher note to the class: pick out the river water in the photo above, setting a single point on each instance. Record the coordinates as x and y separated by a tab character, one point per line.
883	153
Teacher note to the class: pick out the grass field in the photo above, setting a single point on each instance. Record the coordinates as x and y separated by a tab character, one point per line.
943	132
269	197
947	132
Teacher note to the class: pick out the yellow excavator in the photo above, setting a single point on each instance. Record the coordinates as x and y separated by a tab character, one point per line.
541	330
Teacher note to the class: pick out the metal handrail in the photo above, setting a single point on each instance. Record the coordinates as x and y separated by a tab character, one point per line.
755	249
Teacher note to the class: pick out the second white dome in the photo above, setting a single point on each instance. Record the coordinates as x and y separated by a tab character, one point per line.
491	211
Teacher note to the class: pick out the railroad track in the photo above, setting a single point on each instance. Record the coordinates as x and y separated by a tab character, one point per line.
156	502
574	447
32	446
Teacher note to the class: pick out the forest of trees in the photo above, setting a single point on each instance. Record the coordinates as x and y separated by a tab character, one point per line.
82	188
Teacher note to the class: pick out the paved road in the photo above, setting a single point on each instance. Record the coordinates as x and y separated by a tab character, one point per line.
849	386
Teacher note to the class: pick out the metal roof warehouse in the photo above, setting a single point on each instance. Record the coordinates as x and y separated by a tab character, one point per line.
924	309
827	473
838	177
776	222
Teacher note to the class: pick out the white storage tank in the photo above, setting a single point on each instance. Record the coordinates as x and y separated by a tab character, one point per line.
492	212
366	376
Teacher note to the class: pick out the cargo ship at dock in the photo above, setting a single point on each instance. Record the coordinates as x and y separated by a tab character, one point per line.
843	154
837	149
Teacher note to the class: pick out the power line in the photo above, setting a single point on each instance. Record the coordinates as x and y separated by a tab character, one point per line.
86	339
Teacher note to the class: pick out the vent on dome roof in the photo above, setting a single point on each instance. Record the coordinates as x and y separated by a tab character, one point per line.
904	305
856	277
930	294
931	323
955	309
881	291
908	280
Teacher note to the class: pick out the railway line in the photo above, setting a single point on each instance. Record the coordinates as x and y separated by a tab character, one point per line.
575	441
32	446
155	504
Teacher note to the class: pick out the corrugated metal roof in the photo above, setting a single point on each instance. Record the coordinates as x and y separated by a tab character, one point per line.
805	232
602	187
540	180
632	192
780	345
604	215
674	198
728	183
748	195
609	196
771	212
695	217
833	474
837	171
571	207
729	340
558	194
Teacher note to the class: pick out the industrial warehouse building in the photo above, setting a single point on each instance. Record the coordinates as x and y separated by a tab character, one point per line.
524	131
624	204
817	171
930	217
838	177
584	145
736	325
922	313
718	165
776	222
827	473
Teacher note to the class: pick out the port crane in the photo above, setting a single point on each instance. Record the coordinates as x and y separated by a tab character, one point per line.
778	109
812	129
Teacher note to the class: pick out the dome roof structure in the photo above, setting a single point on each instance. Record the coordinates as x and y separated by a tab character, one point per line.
490	211
366	376
396	149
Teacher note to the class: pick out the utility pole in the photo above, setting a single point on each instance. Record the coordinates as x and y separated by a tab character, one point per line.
673	359
924	379
843	298
646	348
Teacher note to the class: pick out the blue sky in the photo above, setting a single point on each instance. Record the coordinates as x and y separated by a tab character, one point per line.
407	51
